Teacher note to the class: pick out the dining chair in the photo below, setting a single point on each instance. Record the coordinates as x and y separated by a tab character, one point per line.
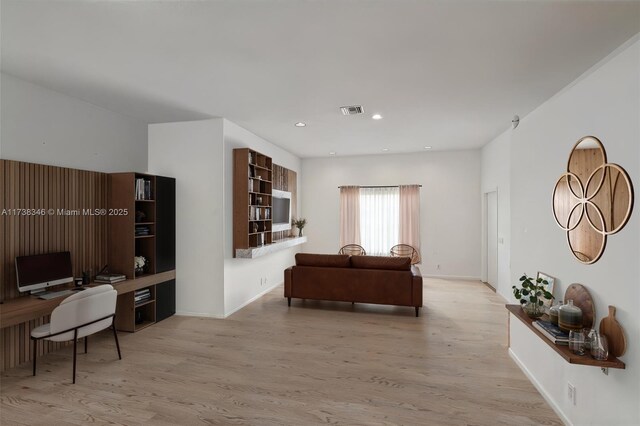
405	250
78	316
353	250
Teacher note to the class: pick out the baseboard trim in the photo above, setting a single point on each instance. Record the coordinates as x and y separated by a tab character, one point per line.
540	389
253	299
197	314
452	277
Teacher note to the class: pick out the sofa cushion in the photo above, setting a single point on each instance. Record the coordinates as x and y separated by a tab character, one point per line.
381	262
327	260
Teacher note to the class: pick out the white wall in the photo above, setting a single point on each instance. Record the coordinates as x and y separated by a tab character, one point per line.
496	175
450	206
247	279
605	103
47	127
199	154
192	152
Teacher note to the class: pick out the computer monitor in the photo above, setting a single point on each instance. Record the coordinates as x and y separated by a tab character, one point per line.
43	270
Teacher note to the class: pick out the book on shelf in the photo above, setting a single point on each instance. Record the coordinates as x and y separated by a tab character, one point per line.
143	189
552	332
110	278
111	281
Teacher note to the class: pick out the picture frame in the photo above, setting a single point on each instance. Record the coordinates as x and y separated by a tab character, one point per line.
550	286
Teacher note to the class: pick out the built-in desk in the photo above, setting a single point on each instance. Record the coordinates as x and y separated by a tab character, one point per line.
23	309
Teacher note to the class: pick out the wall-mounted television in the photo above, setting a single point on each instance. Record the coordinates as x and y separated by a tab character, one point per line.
281	217
43	270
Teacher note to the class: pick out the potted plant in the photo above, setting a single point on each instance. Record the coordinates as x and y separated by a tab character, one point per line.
300	224
532	293
140	264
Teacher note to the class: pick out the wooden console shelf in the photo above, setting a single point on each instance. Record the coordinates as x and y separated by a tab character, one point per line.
563	350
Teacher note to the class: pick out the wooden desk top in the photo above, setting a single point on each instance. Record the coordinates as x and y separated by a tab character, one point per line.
23	309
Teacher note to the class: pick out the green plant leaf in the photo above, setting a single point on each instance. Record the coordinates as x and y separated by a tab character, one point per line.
540	303
525	292
533	299
522	278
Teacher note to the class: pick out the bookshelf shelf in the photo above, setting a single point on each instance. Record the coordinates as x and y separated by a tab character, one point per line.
138	305
563	350
252	199
154	220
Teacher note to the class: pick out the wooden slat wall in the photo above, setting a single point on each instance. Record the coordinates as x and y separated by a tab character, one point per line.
286	180
35	186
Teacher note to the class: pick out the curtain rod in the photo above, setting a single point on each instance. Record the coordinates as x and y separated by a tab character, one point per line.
378	186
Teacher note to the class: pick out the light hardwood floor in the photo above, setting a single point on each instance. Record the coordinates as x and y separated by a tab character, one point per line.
313	363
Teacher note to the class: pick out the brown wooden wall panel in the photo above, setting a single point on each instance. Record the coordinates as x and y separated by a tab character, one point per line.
64	194
286	180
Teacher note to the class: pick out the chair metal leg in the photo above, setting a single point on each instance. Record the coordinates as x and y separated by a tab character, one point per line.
35	354
85	343
115	336
75	347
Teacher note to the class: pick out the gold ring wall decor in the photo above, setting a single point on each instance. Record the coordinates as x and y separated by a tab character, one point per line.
592	200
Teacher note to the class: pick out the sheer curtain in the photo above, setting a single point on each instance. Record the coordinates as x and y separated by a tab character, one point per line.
349	215
410	216
379	219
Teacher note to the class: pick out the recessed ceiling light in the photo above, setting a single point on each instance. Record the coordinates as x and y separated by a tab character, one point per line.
427	147
300	124
332	153
385	149
376	117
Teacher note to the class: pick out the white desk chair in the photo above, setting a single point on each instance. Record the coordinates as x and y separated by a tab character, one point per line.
79	315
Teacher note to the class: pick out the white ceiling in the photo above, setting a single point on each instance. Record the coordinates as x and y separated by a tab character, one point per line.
449	74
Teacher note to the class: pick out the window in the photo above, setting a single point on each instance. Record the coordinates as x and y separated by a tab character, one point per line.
379	219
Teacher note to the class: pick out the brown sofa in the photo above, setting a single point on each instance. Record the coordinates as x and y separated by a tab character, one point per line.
364	279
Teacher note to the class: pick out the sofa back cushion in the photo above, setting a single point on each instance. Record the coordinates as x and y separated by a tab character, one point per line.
325	260
381	262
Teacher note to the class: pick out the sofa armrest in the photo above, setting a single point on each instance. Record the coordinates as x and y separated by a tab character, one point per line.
288	276
416	287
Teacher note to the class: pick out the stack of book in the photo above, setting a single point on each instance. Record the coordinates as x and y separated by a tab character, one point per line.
141	296
552	332
143	189
142	230
110	278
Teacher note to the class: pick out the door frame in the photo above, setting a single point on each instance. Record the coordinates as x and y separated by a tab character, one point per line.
485	238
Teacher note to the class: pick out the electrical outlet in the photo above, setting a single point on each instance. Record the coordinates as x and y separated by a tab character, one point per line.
438	266
571	393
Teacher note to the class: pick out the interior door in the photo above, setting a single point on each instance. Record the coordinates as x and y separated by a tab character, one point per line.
492	239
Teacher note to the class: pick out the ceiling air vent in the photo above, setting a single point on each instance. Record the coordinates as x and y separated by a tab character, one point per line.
352	109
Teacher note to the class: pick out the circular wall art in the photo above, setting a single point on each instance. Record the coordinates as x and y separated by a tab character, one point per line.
592	200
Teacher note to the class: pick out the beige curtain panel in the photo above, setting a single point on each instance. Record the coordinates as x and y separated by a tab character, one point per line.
410	216
349	215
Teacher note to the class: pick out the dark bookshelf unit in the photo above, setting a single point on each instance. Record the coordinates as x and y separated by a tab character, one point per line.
252	199
141	222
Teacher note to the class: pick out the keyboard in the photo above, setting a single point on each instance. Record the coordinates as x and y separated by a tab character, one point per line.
54	294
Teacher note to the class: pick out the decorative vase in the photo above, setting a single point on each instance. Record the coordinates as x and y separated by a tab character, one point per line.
533	310
569	317
599	347
553	313
300	232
